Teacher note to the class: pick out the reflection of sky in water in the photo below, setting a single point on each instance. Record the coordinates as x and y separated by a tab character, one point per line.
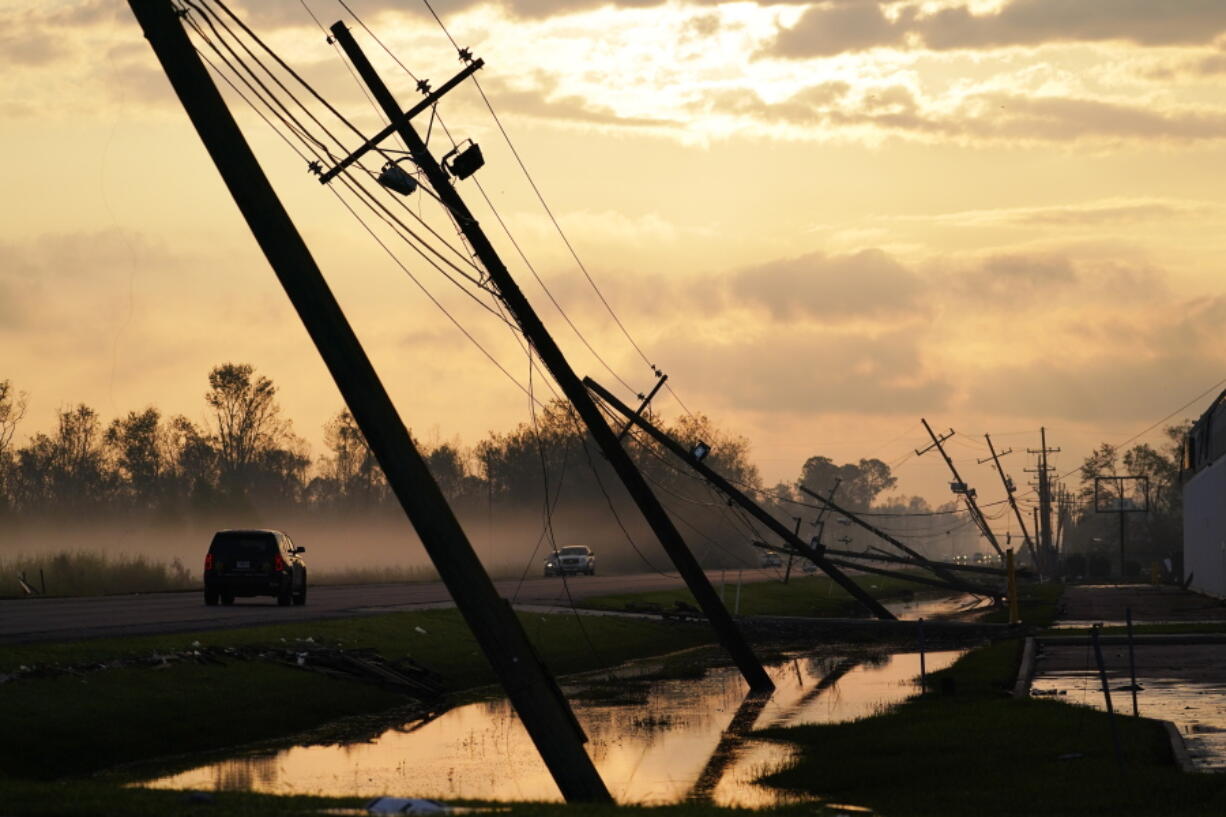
652	752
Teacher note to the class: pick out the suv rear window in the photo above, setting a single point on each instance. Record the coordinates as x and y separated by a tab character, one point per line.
230	546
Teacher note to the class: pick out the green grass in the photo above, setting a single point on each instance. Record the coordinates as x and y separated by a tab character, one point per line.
977	752
91	573
125	715
815	596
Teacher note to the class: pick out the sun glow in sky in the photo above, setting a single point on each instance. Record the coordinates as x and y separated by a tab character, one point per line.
823	219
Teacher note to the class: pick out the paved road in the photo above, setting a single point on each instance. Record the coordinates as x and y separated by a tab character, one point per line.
30	620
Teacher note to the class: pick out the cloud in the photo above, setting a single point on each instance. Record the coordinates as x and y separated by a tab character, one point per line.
50	275
865	285
1033	22
830	28
784	370
826	29
990	116
544	102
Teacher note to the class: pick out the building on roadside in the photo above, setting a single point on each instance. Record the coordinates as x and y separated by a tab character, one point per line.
1203	475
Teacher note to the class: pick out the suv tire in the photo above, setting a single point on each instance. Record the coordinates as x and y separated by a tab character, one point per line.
211	597
300	596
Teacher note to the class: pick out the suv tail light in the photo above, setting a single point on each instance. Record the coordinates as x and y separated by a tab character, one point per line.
278	564
208	561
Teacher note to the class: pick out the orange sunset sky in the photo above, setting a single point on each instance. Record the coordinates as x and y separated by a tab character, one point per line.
823	219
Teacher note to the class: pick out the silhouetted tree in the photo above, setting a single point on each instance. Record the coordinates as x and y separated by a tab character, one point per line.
860	484
256	448
12	409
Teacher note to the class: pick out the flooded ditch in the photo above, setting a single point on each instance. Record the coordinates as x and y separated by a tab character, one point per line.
654	740
1178	683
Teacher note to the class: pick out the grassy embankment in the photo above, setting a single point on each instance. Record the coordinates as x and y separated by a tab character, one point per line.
803	596
54	730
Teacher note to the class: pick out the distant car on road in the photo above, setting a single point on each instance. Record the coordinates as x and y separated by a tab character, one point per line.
254	563
771	559
571	559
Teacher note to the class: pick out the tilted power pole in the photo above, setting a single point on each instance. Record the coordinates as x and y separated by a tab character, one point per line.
920	560
531	689
543	343
737	496
959	486
1010	488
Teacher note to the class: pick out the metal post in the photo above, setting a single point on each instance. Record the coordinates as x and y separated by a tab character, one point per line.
919	627
1132	663
549	353
1102	674
531	689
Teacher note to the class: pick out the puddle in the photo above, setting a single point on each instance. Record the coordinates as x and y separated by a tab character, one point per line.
681	739
944	606
1183	684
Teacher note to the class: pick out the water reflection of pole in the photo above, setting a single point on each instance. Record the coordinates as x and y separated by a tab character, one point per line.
729	746
831	678
919	626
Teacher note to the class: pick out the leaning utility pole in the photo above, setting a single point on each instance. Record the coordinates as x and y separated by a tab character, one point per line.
729	490
921	560
958	486
1009	489
531	689
549	353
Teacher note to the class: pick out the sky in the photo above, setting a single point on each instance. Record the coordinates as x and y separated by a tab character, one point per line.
824	220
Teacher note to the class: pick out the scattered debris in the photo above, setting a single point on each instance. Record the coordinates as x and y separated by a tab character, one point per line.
354	664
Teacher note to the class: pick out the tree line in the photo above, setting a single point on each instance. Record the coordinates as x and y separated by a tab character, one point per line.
246	454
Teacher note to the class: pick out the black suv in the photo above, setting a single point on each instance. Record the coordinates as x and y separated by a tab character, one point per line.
254	563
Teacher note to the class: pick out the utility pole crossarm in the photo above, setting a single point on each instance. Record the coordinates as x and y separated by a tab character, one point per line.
745	502
551	356
373	142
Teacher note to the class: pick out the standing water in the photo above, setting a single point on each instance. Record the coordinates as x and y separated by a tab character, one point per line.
654	742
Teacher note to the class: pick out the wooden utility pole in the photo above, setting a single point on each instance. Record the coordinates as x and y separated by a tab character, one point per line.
549	353
1009	489
531	689
923	561
959	486
1046	550
730	491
